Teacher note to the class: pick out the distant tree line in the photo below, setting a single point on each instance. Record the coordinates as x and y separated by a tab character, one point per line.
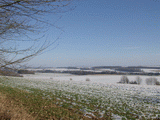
136	67
9	72
83	72
25	72
127	69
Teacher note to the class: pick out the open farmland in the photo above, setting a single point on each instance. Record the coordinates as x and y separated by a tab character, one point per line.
100	97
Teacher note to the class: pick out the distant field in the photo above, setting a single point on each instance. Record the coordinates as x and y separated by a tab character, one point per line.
100	97
110	79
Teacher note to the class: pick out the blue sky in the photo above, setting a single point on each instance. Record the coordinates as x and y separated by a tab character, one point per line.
104	32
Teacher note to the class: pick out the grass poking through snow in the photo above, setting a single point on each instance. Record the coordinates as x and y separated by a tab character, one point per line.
54	99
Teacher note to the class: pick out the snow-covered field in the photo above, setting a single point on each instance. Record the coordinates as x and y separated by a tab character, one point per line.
110	79
102	93
151	70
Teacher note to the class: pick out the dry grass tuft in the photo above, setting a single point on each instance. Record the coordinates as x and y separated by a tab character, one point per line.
10	110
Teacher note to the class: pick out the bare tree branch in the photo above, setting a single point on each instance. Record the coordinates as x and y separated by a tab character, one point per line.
20	22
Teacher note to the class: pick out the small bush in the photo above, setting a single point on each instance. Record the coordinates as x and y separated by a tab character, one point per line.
124	80
133	82
151	81
138	80
87	79
157	83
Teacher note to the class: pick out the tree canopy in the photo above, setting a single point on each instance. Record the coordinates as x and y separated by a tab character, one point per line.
20	21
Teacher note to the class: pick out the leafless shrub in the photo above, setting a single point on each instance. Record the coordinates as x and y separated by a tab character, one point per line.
151	81
157	83
124	80
87	79
133	82
138	80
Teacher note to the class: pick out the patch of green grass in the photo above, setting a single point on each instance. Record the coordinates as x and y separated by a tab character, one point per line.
55	103
37	105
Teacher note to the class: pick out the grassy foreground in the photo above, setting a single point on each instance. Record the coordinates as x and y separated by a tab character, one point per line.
58	100
35	106
12	110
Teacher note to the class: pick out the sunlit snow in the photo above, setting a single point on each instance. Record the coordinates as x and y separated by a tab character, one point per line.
103	90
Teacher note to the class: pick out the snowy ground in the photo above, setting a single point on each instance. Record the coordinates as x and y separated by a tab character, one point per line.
151	70
102	93
110	79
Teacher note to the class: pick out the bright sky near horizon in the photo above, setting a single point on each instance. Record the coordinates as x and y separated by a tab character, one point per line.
105	32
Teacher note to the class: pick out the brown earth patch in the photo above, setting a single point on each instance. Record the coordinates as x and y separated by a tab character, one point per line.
10	110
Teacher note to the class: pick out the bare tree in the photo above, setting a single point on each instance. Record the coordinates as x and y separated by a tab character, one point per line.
20	22
138	80
151	81
124	80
